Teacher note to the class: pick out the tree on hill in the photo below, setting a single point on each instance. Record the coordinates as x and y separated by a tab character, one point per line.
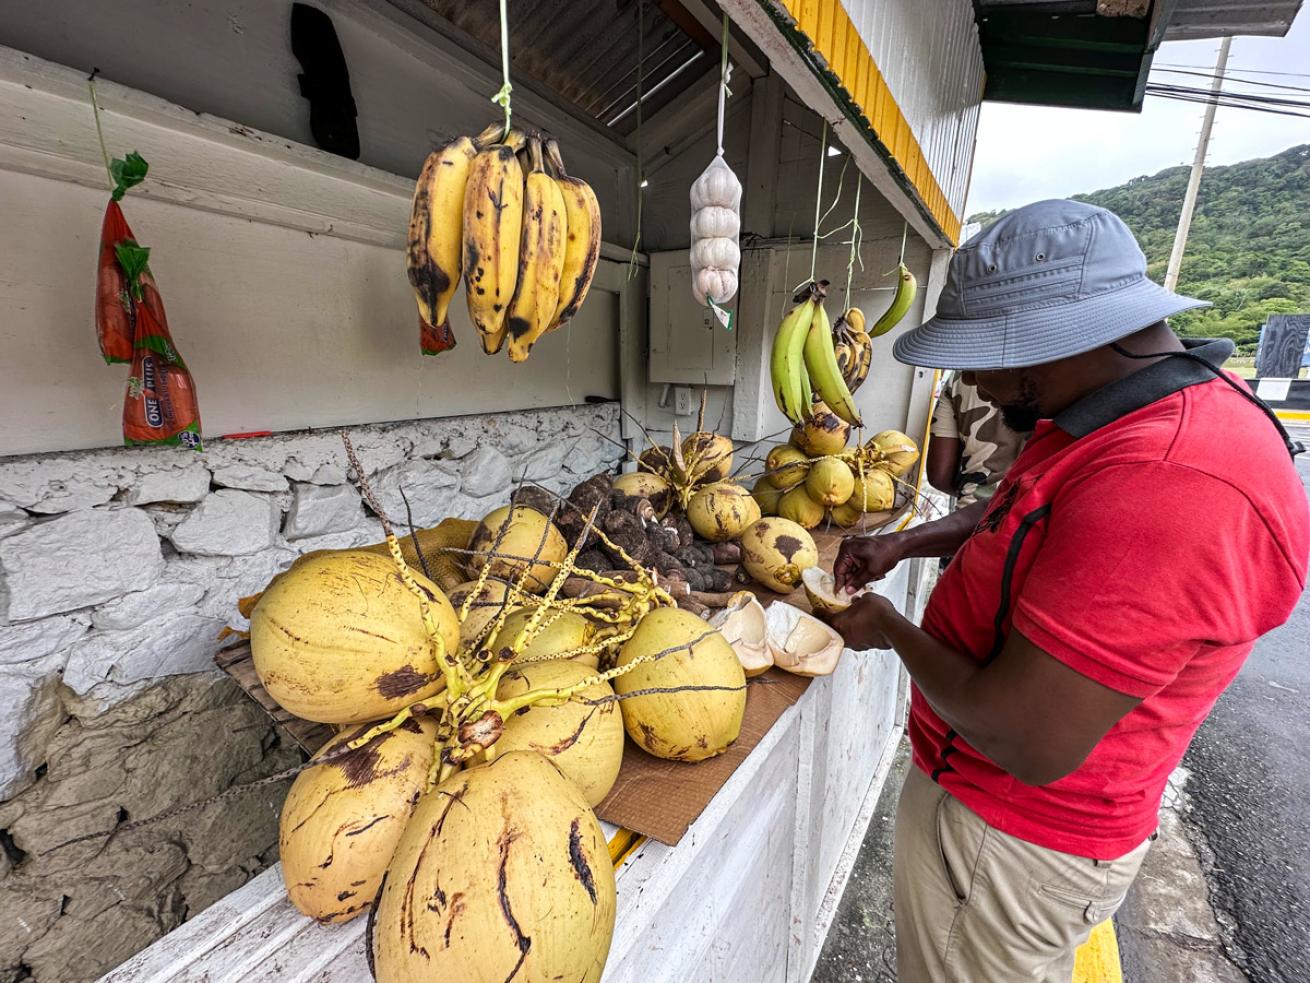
1248	251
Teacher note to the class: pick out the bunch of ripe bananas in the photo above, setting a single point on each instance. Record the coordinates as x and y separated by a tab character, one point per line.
814	360
500	210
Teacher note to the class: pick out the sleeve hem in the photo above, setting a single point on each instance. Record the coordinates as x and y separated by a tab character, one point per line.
1057	648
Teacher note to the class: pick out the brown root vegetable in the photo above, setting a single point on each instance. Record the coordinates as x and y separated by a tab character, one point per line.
727	554
536	497
718	580
592	559
627	531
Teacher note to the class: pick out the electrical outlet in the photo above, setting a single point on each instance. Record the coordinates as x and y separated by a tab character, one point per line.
682	401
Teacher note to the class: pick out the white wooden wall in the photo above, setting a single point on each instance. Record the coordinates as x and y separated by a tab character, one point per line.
281	268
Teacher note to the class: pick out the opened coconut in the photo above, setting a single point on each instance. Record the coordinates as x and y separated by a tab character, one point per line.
342	819
822	433
830	481
722	511
339	639
786	466
775	551
745	627
895	450
583	736
655	489
767	496
503	873
801	643
693	724
797	506
821	589
707	456
558	634
529	534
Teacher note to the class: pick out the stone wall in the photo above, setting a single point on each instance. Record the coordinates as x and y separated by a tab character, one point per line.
118	568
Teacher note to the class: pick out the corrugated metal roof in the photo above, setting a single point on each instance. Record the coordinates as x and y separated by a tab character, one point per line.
1193	19
587	50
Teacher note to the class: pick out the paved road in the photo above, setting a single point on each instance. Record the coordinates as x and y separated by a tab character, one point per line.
1250	802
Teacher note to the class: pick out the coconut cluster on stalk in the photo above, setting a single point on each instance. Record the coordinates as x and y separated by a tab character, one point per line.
483	734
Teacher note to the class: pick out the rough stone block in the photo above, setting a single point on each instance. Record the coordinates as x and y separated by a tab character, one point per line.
317	510
486	472
30	713
184	486
77	560
182	642
543	463
248	478
31	640
228	523
141	606
431	490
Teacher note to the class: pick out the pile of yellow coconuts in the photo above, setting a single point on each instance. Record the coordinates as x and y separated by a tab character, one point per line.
476	732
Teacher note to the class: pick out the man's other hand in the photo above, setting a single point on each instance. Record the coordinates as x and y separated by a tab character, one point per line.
863	559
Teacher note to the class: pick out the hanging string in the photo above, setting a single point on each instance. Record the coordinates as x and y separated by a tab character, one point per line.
855	236
501	98
818	201
725	72
100	134
641	176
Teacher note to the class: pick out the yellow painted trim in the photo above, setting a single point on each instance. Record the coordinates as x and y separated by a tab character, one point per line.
624	844
1297	415
832	35
1097	959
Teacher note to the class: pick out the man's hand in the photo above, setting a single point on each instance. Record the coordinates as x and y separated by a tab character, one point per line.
862	625
863	559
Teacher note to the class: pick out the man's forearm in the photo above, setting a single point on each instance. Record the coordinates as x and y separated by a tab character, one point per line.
941	537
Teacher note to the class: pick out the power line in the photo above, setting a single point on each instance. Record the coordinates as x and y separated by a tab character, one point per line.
1229	78
1236	71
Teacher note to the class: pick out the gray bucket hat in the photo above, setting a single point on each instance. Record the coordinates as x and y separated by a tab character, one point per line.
1049	280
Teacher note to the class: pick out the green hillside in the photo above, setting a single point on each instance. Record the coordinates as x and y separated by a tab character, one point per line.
1249	248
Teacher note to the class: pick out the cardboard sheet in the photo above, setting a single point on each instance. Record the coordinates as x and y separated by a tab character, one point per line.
661	799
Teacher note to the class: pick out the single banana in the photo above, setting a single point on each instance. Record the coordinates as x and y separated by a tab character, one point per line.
432	251
582	245
541	259
787	359
865	350
493	226
821	362
855	318
906	288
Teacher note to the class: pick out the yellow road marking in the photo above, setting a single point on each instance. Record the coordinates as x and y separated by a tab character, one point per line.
1097	960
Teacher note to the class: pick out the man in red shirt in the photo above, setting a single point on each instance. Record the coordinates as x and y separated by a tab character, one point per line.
1152	528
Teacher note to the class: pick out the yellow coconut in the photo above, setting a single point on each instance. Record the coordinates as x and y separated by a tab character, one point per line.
655	460
797	506
342	819
767	496
708	457
896	451
830	481
339	639
655	489
722	512
529	534
684	726
874	492
503	873
824	432
776	551
786	466
584	739
846	515
484	608
559	633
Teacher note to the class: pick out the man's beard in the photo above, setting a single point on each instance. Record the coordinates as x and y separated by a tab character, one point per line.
1022	415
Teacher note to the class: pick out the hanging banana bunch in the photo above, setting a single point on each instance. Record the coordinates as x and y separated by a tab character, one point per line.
500	210
906	289
854	348
803	364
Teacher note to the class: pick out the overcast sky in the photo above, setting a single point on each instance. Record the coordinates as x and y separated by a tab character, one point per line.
1026	153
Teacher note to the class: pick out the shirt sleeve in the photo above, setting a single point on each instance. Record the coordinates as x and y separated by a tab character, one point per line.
1142	566
945	419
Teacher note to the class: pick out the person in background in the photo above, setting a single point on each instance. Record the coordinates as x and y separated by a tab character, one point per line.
1151	530
971	447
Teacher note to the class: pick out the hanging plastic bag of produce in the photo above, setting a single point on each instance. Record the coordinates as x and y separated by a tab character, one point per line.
716	218
160	405
113	306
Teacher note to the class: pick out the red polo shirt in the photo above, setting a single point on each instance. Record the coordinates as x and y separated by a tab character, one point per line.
1145	538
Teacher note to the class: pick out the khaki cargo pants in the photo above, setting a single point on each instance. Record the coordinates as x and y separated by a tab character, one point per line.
975	905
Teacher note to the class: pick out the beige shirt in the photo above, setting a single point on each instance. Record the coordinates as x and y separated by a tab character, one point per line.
990	447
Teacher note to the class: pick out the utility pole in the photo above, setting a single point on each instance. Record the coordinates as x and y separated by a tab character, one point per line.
1198	165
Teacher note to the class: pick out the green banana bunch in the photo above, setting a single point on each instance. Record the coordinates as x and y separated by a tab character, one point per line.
825	374
854	348
787	359
906	288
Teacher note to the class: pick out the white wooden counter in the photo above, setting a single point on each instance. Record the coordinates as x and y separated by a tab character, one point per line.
747	895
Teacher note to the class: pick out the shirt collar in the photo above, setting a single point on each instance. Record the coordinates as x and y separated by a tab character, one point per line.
1142	388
